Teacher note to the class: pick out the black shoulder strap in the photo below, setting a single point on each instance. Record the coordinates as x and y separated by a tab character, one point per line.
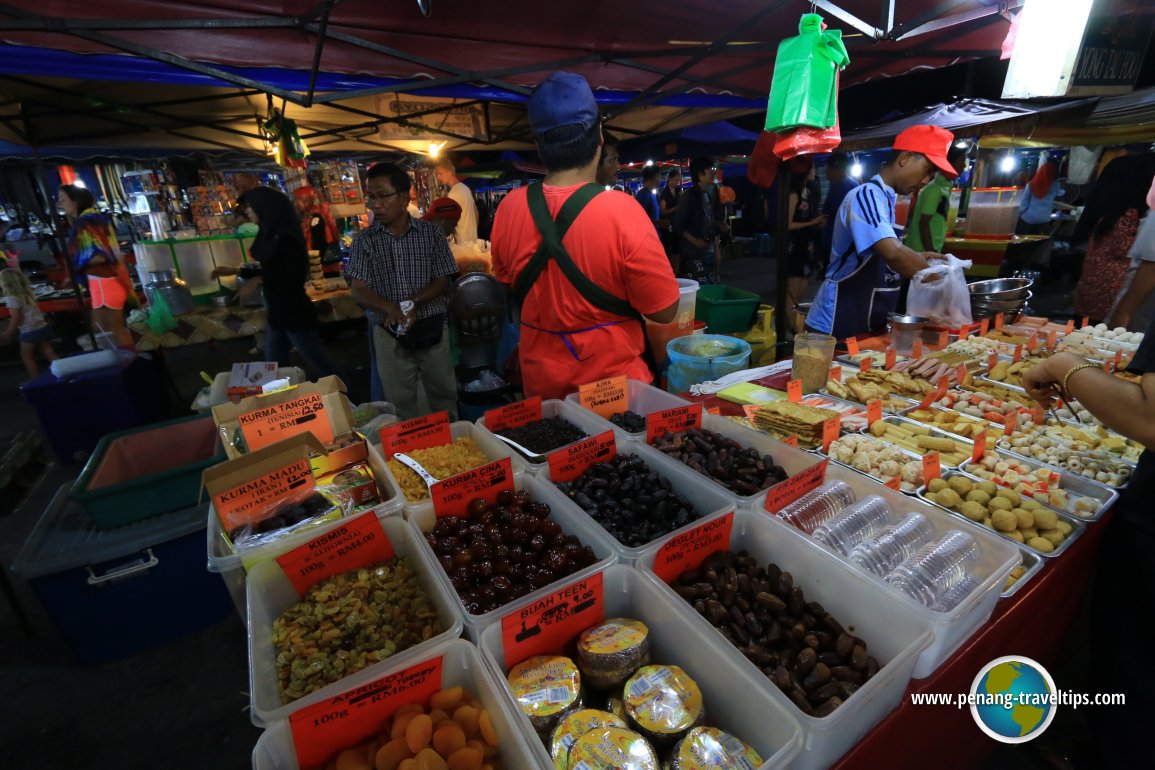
552	231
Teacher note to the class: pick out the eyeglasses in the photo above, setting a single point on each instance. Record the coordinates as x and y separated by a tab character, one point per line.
371	197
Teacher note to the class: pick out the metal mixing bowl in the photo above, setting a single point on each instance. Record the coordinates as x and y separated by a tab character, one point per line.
1000	289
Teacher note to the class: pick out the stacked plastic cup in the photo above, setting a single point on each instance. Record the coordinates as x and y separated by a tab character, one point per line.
953	596
937	567
893	545
864	519
814	508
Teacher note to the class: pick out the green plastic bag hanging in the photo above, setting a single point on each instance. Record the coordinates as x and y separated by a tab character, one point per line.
804	91
160	318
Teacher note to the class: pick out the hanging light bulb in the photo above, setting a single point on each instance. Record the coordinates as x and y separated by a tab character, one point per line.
435	148
1008	163
649	163
79	182
856	170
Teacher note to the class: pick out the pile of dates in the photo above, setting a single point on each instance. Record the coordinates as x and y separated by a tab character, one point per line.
630	501
741	470
546	435
797	644
504	551
630	422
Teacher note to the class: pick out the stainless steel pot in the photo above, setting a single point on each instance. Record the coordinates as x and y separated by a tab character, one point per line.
175	291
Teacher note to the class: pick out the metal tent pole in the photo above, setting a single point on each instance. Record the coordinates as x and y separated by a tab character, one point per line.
781	247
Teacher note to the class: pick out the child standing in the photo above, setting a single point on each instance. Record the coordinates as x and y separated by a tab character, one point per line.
25	315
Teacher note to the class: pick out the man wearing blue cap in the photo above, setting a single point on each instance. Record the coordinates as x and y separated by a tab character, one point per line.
586	264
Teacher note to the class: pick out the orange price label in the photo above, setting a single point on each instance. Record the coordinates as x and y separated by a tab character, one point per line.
960	373
549	623
943	339
785	492
836	373
1086	322
980	446
943	384
852	346
514	415
891	358
931	466
270	424
999	319
750	410
985	326
1107	366
1018	353
1070	326
1033	342
1011	423
916	349
250	501
688	550
992	360
358	542
794	391
830	430
895	483
605	397
1038	414
419	433
792	440
1118	360
934	395
674	420
1052	339
716	411
574	460
866	364
452	496
873	411
356	716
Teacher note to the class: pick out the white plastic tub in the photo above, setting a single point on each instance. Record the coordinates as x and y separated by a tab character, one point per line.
952	628
708	499
895	633
582	418
731	703
641	399
563	513
270	594
461	666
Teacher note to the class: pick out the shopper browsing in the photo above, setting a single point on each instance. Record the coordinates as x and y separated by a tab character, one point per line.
696	224
24	316
466	229
585	263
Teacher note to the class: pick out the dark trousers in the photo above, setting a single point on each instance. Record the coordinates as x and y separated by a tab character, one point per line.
279	340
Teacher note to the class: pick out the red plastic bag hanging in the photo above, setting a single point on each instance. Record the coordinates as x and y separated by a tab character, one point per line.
808	141
762	167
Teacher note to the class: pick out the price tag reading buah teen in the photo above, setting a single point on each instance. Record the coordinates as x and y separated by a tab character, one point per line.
571	462
451	496
548	624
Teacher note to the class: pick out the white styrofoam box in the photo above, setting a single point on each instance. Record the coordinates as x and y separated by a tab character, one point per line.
642	399
708	499
491	447
951	629
582	418
731	703
224	559
584	528
270	594
895	633
461	666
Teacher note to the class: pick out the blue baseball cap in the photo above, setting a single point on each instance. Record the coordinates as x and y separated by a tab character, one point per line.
562	99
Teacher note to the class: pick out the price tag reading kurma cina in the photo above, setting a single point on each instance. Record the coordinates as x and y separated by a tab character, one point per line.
549	623
931	467
785	492
674	420
852	345
419	433
836	373
980	446
451	497
794	391
356	716
688	550
270	424
873	411
357	542
830	429
514	415
574	460
605	397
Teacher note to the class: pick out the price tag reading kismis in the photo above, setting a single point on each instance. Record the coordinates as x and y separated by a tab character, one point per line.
574	460
419	433
980	446
785	492
249	501
357	542
451	497
916	349
1011	423
852	345
605	397
794	391
891	358
895	484
514	415
866	364
1018	353
674	420
688	550
999	318
356	716
873	411
836	373
270	424
830	430
985	326
931	467
549	623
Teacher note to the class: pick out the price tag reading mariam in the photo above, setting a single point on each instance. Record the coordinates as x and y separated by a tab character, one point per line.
675	420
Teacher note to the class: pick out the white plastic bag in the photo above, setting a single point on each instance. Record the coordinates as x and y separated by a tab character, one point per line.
939	293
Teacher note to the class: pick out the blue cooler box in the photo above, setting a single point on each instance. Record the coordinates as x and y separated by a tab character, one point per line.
113	593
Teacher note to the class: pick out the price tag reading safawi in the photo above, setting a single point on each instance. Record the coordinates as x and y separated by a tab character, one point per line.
999	319
794	391
891	358
980	446
356	716
873	411
688	550
674	420
574	460
830	430
605	397
451	497
270	424
836	373
931	467
419	433
549	623
248	501
852	345
514	415
1011	423
985	326
357	542
916	349
895	484
785	492
1018	353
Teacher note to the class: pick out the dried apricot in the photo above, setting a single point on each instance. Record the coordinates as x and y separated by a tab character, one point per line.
448	738
408	764
447	699
418	732
410	708
428	759
353	759
390	756
466	716
485	725
400	723
438	716
465	758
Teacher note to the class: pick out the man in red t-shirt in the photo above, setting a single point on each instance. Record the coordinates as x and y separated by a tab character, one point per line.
566	339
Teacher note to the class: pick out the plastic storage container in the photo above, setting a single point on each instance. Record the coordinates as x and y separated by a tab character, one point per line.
561	511
582	418
642	399
683	323
895	633
270	594
815	508
139	473
725	308
731	703
993	210
703	357
116	593
461	666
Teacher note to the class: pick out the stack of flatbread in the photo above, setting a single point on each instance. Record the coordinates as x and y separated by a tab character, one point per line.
786	418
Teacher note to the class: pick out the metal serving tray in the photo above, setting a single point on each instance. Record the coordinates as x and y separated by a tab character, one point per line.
1076	486
1033	563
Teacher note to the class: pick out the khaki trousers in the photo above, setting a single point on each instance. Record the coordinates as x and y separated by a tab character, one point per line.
403	371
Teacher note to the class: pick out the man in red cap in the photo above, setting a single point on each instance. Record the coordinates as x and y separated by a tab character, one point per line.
868	260
445	213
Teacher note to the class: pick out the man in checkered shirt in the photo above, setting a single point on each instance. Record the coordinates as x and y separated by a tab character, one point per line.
399	260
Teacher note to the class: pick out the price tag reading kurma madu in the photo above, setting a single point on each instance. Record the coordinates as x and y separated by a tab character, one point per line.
675	420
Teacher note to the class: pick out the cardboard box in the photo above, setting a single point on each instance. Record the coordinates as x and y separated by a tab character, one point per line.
248	379
318	408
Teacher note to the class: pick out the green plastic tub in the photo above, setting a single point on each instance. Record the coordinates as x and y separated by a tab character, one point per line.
143	472
726	309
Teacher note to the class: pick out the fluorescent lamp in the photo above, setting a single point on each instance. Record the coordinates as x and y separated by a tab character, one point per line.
1050	33
856	170
1008	163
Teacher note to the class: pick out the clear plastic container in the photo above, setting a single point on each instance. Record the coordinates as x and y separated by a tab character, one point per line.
641	399
811	362
816	508
955	594
461	666
582	418
937	567
864	519
893	545
683	323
